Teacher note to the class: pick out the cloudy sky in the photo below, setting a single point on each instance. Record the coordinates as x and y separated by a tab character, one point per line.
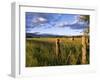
54	23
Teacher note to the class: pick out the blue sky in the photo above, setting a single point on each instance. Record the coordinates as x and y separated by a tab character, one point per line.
54	23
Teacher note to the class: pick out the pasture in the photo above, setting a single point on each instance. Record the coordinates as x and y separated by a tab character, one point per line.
42	51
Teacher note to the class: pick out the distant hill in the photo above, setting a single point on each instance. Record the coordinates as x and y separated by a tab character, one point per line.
30	35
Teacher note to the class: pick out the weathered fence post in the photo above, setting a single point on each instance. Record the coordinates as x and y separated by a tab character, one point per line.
58	52
57	47
84	49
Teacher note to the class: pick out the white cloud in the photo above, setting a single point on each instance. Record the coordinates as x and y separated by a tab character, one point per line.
42	19
66	24
39	20
61	24
76	20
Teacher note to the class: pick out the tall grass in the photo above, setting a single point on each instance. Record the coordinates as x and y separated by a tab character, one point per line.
43	53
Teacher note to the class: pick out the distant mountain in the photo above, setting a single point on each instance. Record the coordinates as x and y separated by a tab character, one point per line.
30	35
41	35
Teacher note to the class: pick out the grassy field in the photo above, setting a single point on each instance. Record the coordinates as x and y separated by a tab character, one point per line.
42	52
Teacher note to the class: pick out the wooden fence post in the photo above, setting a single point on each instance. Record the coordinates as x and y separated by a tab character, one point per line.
84	49
57	47
58	52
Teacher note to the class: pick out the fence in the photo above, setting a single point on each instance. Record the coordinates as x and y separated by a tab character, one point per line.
84	52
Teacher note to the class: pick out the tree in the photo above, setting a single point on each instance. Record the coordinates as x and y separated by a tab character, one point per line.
86	19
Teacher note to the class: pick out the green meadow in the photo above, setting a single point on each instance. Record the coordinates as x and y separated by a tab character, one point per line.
41	51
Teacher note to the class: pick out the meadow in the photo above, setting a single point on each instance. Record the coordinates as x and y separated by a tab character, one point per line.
41	51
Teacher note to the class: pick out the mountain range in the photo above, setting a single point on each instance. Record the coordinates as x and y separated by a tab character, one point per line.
30	35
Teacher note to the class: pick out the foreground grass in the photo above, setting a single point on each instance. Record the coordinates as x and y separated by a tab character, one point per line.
41	52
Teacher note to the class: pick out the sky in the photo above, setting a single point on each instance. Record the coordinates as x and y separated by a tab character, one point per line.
54	23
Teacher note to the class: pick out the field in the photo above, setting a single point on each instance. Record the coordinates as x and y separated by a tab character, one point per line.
45	51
